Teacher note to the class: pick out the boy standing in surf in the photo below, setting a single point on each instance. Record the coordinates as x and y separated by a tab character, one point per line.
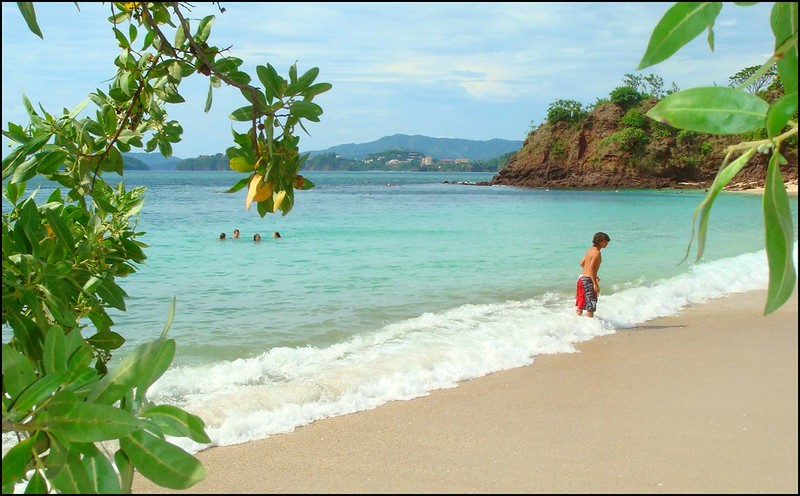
588	283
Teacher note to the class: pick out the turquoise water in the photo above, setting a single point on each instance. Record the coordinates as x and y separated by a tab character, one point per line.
365	249
385	286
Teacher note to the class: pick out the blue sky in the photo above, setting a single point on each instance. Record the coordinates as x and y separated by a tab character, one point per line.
474	71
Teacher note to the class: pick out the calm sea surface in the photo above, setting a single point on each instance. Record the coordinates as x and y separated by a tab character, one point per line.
385	286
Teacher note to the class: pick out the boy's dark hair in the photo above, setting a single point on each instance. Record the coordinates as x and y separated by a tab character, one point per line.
599	238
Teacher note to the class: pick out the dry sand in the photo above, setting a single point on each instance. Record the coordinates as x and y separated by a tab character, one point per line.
701	402
791	189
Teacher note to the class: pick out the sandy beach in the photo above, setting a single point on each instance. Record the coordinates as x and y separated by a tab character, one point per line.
701	402
791	189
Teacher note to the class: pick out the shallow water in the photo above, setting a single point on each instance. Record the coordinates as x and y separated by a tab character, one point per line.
385	286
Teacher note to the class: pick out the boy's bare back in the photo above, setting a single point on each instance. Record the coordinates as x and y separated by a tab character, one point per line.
591	262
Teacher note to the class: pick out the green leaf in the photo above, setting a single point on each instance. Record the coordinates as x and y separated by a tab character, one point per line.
113	161
210	95
15	133
228	64
204	29
38	392
136	368
712	110
241	164
154	364
29	14
242	114
271	80
12	161
682	23
36	484
779	238
780	112
307	110
132	32
26	170
180	36
174	71
783	20
106	340
101	473
724	176
316	89
306	79
163	463
121	39
78	362
79	108
170	318
60	229
14	191
241	183
182	423
307	184
91	422
239	77
50	162
35	119
111	293
55	350
18	372
72	477
126	471
15	462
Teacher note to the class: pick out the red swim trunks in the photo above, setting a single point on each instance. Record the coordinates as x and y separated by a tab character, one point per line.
585	298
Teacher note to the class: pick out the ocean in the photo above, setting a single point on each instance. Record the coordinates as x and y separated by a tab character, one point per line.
387	286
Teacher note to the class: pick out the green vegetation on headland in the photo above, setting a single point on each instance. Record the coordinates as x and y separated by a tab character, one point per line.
612	144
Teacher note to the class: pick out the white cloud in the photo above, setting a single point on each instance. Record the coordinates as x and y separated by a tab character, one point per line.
473	70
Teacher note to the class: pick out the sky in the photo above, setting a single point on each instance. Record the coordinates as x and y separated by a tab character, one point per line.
471	70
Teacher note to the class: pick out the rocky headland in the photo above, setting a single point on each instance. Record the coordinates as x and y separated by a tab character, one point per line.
616	147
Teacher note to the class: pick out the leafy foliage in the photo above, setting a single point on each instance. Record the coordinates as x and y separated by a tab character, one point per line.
728	111
759	83
634	118
650	85
629	139
625	96
565	111
62	258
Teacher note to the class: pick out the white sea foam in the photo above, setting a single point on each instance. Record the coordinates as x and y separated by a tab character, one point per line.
286	388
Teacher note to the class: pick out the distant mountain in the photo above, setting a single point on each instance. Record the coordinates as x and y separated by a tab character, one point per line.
438	148
132	163
155	161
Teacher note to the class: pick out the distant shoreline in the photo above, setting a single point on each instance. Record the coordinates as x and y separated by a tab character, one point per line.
791	188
